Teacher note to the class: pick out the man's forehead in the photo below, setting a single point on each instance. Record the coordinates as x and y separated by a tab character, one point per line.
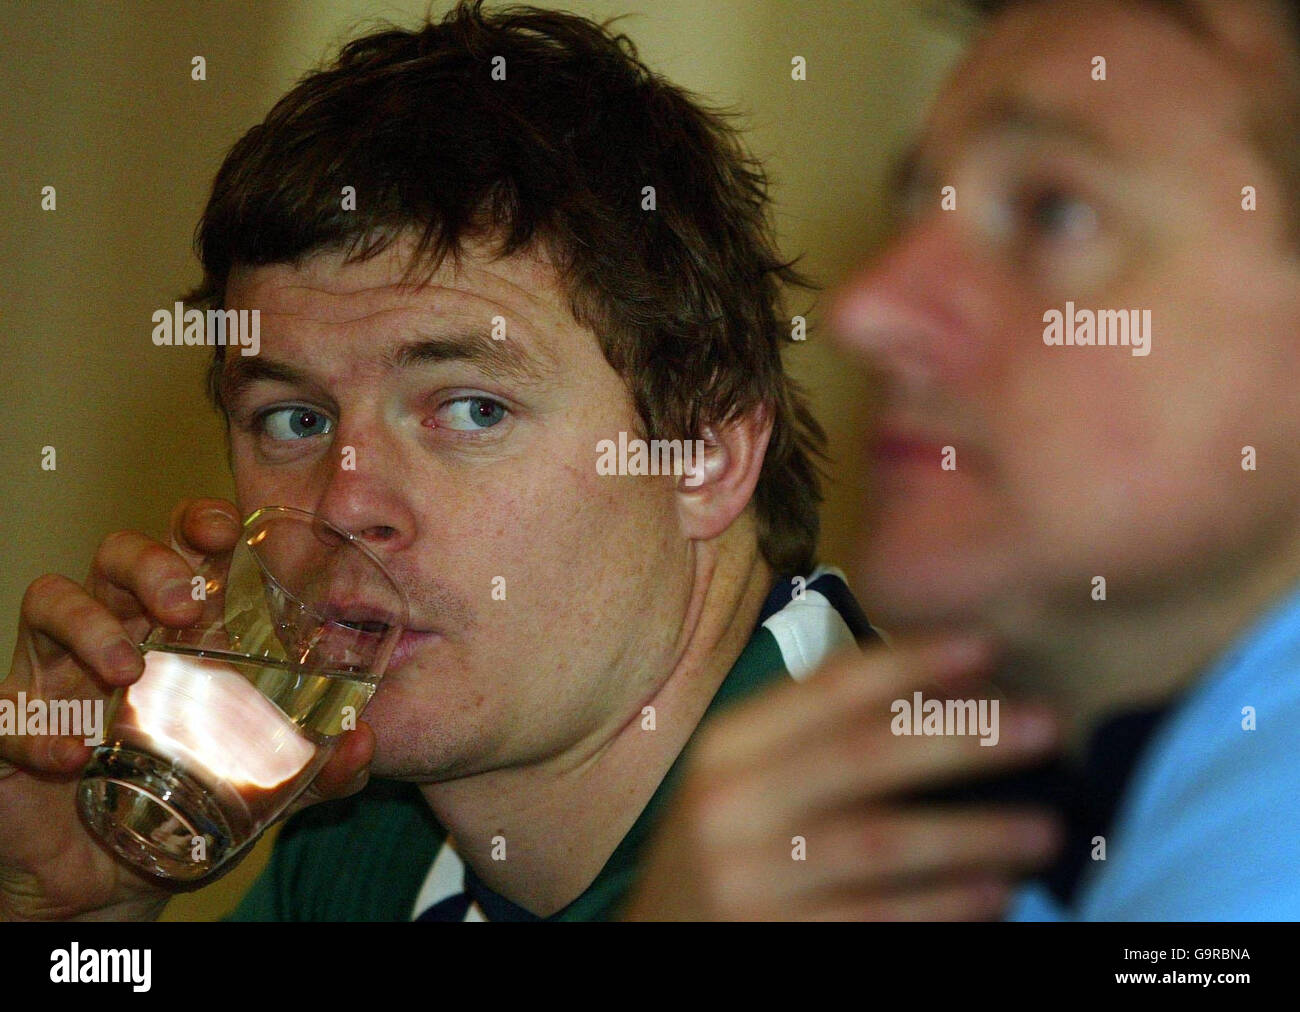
1035	70
509	314
327	288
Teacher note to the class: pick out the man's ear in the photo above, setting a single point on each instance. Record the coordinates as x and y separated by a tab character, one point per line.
723	470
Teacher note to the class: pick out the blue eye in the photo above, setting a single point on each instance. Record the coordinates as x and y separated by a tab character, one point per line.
295	422
469	413
1055	213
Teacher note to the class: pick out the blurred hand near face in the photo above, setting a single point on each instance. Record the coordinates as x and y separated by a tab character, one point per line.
794	804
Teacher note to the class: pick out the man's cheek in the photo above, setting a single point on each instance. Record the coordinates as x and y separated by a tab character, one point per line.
516	557
257	486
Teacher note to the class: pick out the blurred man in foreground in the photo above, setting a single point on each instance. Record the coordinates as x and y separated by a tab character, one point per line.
1088	456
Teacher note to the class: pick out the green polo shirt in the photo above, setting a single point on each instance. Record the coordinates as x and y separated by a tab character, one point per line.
365	858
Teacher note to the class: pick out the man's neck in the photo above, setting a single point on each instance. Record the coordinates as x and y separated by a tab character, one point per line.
1105	661
562	819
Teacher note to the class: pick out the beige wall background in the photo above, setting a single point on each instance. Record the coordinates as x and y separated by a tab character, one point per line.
99	103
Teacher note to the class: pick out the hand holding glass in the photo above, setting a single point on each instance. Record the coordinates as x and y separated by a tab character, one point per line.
235	715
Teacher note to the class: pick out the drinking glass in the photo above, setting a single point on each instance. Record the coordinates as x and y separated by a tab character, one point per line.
236	714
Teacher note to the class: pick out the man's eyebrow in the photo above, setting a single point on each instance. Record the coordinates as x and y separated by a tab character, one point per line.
240	372
503	357
912	171
1019	116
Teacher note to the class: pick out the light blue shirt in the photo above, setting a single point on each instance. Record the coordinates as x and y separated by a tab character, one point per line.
1208	828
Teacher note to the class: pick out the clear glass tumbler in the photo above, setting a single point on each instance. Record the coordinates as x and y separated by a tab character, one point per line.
236	714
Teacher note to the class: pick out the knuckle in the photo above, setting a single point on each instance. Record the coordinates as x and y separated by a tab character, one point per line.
42	589
115	543
83	614
159	560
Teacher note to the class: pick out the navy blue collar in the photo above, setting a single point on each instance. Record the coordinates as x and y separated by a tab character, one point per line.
1086	797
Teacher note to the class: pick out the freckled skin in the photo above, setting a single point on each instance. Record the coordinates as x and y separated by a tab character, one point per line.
597	570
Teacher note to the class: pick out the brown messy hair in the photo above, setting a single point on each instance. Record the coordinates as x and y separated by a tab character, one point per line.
685	300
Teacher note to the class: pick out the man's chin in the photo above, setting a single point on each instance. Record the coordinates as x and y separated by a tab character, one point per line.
403	749
914	589
418	736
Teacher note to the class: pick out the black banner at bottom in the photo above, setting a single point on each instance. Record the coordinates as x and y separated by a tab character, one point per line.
607	962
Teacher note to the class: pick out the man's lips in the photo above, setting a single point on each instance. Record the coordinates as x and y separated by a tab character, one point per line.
411	641
920	449
376	621
360	615
892	447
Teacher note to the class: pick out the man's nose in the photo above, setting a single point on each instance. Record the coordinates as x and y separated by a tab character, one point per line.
364	493
903	312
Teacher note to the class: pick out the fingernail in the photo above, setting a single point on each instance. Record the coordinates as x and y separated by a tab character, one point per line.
175	594
213	515
123	657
